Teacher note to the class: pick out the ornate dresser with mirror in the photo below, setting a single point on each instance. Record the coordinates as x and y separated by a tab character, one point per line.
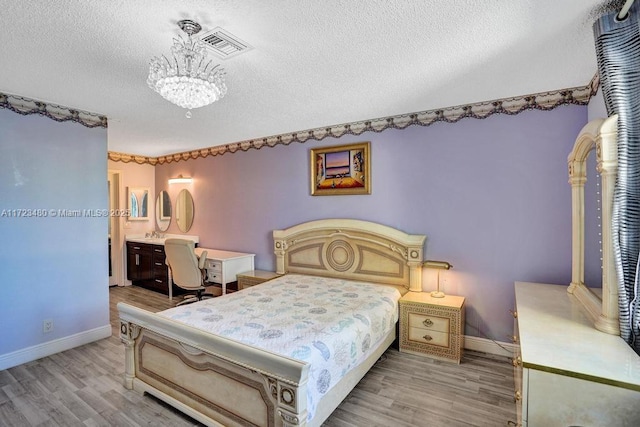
572	367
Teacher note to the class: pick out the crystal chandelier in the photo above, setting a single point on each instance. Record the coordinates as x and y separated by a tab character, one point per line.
188	79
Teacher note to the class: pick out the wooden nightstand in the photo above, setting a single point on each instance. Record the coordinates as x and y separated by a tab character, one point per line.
254	277
432	327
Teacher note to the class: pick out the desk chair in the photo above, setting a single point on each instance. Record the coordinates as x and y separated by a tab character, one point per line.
187	270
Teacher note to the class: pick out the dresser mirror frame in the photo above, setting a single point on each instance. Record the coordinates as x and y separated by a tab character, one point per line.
601	135
163	210
184	210
141	197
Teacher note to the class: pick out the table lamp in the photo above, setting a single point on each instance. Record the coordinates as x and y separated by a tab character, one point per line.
437	265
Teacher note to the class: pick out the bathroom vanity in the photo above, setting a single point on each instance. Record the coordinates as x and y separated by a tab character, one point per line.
146	265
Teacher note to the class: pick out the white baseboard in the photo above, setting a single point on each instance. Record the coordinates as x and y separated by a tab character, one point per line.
488	346
29	354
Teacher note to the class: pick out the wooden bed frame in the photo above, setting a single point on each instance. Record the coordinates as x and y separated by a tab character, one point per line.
219	381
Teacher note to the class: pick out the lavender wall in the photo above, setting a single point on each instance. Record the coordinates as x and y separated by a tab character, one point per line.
491	195
51	266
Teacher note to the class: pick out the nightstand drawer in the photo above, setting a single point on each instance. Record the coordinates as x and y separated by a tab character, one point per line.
246	282
431	323
425	336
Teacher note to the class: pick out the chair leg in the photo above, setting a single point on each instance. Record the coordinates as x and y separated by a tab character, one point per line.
187	300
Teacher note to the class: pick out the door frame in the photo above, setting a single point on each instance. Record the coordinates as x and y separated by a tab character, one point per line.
114	176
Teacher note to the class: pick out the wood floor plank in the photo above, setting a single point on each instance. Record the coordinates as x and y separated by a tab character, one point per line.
78	407
83	386
11	416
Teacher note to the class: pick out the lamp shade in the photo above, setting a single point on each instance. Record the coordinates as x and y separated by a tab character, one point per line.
442	265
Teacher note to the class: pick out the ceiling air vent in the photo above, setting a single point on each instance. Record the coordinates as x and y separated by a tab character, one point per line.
223	43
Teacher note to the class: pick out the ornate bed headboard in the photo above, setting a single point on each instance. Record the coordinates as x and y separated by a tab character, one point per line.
351	249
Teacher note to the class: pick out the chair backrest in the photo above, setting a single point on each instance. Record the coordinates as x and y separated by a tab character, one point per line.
183	262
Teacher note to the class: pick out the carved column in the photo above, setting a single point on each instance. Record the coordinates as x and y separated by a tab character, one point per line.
607	156
279	249
577	179
128	334
414	261
291	402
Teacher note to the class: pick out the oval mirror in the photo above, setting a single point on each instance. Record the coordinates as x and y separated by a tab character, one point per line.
163	211
184	210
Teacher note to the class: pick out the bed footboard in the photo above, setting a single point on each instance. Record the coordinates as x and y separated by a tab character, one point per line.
213	379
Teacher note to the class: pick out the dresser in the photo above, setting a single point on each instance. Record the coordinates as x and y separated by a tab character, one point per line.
567	372
432	327
223	266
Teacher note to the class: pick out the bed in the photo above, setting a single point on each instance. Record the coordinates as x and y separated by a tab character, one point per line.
222	379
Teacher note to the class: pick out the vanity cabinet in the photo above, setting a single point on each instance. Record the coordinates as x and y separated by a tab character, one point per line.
146	267
139	261
160	270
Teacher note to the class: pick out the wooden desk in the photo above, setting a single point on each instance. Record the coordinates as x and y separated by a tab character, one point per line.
223	266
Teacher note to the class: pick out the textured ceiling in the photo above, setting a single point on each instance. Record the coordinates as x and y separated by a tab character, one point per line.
313	63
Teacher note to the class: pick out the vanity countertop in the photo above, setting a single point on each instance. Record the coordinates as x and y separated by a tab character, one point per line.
140	238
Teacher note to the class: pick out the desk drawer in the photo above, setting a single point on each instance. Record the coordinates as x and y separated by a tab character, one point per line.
431	323
214	276
213	265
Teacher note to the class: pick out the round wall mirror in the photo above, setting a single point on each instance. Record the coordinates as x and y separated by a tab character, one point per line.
163	211
184	210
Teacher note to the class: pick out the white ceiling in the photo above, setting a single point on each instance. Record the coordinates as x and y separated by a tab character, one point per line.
314	63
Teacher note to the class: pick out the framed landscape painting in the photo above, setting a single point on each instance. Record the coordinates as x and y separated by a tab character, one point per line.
341	170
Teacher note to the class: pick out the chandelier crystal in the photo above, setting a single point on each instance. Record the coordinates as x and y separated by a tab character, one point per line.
187	79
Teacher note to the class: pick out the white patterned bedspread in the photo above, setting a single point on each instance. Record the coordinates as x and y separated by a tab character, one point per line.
332	324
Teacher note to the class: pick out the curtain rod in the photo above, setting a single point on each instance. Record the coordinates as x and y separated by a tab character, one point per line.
625	10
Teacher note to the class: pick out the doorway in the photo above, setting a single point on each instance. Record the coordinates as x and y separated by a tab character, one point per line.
116	272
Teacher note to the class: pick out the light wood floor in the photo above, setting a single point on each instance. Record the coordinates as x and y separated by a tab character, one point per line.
83	386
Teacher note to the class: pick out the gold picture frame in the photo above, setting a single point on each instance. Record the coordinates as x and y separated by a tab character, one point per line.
341	170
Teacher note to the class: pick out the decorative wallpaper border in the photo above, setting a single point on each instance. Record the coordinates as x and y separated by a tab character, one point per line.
541	101
512	106
127	158
26	106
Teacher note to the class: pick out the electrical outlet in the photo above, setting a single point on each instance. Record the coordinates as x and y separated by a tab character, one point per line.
47	326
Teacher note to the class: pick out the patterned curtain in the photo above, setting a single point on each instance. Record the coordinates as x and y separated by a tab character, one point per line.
618	51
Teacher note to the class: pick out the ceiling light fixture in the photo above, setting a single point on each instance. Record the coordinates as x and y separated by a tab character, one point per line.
188	79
